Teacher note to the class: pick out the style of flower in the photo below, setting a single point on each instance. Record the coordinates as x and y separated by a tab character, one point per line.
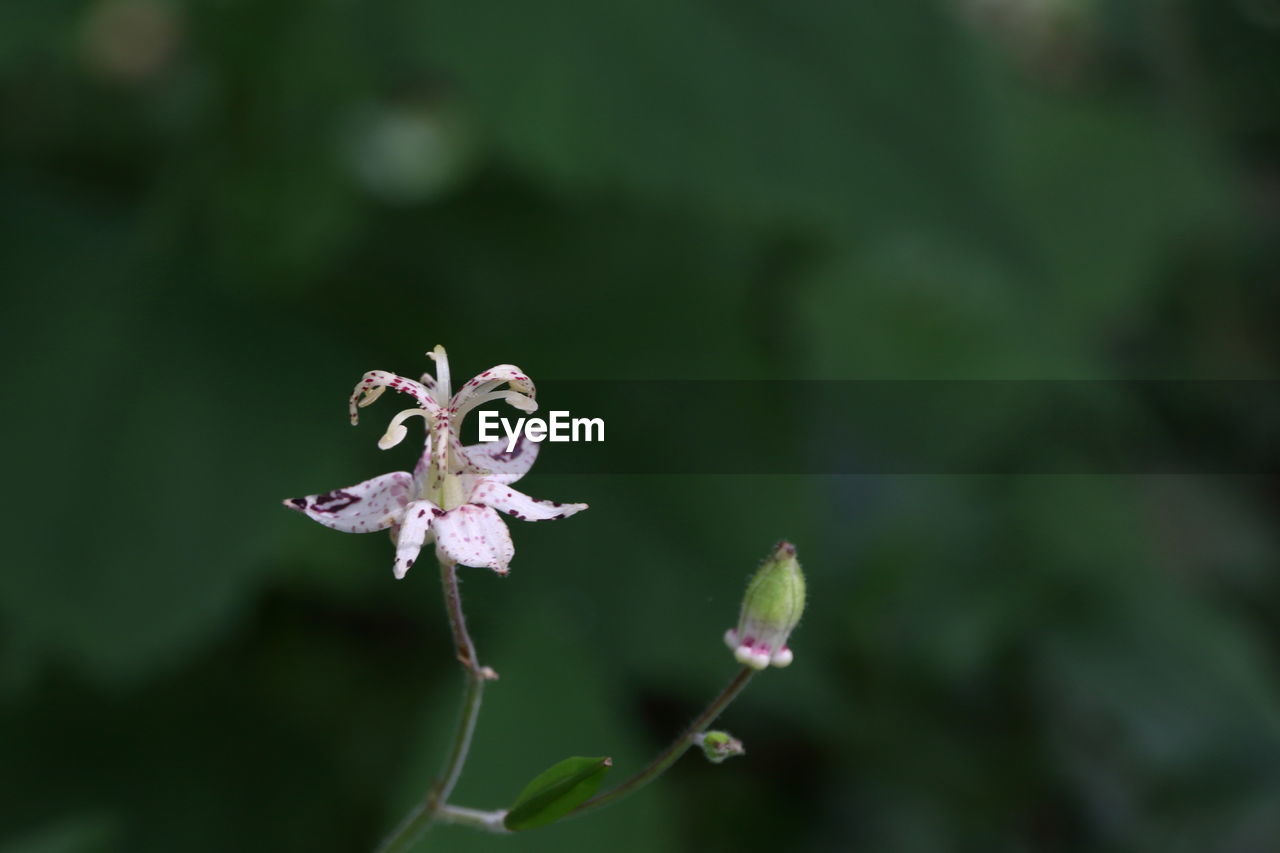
453	492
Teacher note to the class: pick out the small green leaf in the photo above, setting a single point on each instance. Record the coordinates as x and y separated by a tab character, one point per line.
556	791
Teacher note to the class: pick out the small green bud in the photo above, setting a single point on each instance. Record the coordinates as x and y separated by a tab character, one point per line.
770	610
717	746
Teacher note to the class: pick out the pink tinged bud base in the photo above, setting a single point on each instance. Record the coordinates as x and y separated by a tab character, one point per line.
750	652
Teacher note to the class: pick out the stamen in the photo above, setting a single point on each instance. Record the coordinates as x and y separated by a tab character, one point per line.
361	397
523	402
395	430
441	432
511	398
371	394
374	383
479	387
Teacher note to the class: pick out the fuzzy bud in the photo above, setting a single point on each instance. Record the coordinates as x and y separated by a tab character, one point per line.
717	746
770	611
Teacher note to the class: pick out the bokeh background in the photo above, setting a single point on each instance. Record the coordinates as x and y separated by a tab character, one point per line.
216	214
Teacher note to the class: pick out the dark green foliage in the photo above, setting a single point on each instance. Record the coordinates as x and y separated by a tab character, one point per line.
214	216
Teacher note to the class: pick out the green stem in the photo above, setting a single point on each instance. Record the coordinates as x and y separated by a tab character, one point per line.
433	804
475	818
677	748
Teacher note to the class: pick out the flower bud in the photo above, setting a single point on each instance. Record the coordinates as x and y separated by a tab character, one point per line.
717	746
770	610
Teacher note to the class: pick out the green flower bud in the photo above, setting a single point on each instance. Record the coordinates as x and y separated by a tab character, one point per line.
717	746
770	610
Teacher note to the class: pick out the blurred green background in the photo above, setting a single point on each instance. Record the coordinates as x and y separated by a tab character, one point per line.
216	214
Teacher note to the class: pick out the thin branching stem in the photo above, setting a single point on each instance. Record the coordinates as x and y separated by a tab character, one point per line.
427	811
475	818
493	820
677	748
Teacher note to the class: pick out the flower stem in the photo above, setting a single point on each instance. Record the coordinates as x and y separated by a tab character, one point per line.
433	803
677	748
476	818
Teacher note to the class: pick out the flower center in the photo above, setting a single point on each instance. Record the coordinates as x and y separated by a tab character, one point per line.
443	472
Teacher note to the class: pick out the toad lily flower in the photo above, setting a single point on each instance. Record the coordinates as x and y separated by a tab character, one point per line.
453	492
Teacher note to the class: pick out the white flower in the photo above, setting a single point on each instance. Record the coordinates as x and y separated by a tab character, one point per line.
453	492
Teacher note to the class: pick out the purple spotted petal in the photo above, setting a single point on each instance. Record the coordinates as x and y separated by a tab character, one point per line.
372	505
519	505
504	467
415	531
472	535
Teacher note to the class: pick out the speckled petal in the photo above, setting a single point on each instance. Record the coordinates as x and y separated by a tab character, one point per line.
472	535
519	505
372	505
415	531
504	467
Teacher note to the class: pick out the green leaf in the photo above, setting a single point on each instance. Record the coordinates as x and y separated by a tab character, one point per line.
808	128
556	792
